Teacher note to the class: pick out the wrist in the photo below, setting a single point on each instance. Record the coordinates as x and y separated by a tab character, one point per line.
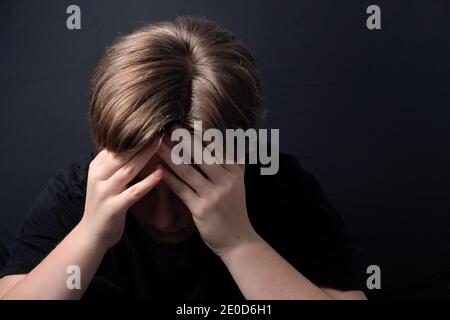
88	238
235	253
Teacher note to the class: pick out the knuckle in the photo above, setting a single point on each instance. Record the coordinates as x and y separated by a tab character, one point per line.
135	192
101	188
127	171
213	198
200	208
94	174
97	192
117	205
228	185
92	165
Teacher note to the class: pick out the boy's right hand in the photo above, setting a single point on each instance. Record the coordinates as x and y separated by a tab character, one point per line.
108	196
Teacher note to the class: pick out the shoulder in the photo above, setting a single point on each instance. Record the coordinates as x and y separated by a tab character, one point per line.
54	213
292	213
291	206
290	177
293	193
63	197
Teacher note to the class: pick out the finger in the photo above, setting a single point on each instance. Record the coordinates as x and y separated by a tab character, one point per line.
239	169
234	160
216	165
129	170
216	169
108	162
131	195
100	157
213	170
186	172
210	166
181	189
236	168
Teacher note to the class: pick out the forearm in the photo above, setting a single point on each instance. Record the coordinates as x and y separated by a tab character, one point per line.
261	273
48	279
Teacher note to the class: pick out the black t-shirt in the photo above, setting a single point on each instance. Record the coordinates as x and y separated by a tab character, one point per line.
288	210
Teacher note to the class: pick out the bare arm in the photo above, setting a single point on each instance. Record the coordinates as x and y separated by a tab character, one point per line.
48	279
261	273
216	200
7	282
108	198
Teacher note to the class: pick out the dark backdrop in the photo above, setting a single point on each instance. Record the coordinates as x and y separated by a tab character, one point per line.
366	111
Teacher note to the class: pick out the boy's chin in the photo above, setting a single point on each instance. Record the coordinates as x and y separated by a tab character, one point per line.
172	237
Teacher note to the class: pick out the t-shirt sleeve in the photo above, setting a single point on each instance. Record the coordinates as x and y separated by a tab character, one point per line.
310	232
54	213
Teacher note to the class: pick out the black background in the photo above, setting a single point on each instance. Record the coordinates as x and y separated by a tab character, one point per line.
366	111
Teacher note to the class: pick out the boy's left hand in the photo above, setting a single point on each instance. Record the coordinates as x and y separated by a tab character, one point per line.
215	198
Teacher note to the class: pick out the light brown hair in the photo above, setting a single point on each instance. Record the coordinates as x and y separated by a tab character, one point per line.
172	72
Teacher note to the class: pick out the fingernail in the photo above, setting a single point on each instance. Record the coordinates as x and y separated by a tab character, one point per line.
158	173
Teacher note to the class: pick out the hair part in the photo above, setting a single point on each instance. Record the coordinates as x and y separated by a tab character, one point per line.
172	72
